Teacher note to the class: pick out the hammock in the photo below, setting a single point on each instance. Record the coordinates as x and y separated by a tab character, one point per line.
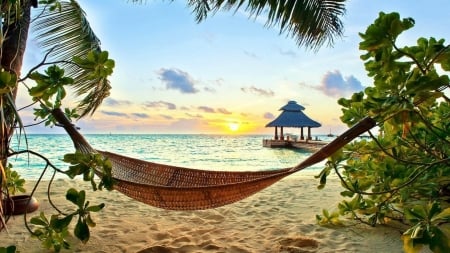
179	188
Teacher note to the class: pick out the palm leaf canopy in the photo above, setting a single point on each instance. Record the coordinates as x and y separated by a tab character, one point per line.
311	22
63	30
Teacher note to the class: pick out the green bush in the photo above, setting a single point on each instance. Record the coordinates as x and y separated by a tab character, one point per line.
403	172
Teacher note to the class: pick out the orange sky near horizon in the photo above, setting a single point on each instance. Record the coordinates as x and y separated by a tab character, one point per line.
175	76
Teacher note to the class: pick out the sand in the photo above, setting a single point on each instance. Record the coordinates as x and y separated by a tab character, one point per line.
279	219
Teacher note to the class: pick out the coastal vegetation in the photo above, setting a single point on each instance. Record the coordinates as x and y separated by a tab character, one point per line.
74	63
402	174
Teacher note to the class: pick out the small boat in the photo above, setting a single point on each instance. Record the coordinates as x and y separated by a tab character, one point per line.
330	134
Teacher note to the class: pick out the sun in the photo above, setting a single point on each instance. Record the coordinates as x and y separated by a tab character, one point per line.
233	126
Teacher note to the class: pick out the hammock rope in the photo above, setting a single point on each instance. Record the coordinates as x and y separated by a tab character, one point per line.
179	188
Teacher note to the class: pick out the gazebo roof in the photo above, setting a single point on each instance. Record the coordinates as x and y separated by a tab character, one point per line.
292	116
292	106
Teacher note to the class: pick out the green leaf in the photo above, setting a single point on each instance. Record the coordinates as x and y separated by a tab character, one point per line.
433	209
72	195
415	213
418	232
90	222
439	242
81	198
41	220
9	249
59	224
349	194
444	215
95	208
82	231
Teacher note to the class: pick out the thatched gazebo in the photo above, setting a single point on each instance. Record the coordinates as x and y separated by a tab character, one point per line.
292	116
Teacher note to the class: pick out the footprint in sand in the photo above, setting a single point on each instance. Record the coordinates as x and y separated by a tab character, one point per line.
157	249
298	245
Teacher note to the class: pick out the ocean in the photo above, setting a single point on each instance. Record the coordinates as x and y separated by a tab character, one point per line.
212	152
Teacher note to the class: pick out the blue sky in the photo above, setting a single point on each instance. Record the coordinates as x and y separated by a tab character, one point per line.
174	75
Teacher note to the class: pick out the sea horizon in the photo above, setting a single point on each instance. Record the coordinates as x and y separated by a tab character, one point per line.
198	151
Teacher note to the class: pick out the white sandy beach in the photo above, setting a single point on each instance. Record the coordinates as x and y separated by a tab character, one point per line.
278	219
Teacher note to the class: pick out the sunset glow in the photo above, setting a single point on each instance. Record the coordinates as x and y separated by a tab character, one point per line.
226	75
233	127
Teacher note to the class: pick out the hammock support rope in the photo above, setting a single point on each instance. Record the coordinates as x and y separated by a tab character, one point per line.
179	188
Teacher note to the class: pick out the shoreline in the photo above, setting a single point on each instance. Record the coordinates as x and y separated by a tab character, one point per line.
280	218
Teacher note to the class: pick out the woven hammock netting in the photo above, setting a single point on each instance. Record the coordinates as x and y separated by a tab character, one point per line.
179	188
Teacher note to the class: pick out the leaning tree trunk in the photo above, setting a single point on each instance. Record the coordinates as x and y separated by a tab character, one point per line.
12	53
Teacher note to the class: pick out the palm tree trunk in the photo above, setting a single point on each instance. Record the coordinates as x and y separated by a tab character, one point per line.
12	53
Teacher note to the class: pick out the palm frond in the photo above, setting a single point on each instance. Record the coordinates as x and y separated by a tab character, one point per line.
95	96
311	22
67	33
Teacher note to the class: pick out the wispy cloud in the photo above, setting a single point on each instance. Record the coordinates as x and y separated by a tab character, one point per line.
187	124
194	115
269	115
218	81
116	114
206	109
251	54
114	102
166	116
141	115
160	104
176	79
209	89
289	53
258	91
223	111
335	85
214	83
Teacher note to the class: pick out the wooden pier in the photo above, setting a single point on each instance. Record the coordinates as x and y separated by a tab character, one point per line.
307	145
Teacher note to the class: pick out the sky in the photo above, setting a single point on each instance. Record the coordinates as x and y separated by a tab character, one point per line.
229	74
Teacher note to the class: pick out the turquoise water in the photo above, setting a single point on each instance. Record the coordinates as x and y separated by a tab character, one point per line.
213	152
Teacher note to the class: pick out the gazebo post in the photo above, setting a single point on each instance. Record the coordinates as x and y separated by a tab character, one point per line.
276	133
309	133
281	134
301	134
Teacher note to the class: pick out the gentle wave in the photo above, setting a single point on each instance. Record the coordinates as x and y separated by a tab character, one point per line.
213	152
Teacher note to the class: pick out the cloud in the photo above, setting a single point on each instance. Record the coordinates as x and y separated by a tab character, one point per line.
117	114
209	89
113	102
251	54
141	115
269	115
206	109
215	83
160	104
223	111
166	116
258	91
335	85
188	125
176	79
194	115
218	81
289	53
